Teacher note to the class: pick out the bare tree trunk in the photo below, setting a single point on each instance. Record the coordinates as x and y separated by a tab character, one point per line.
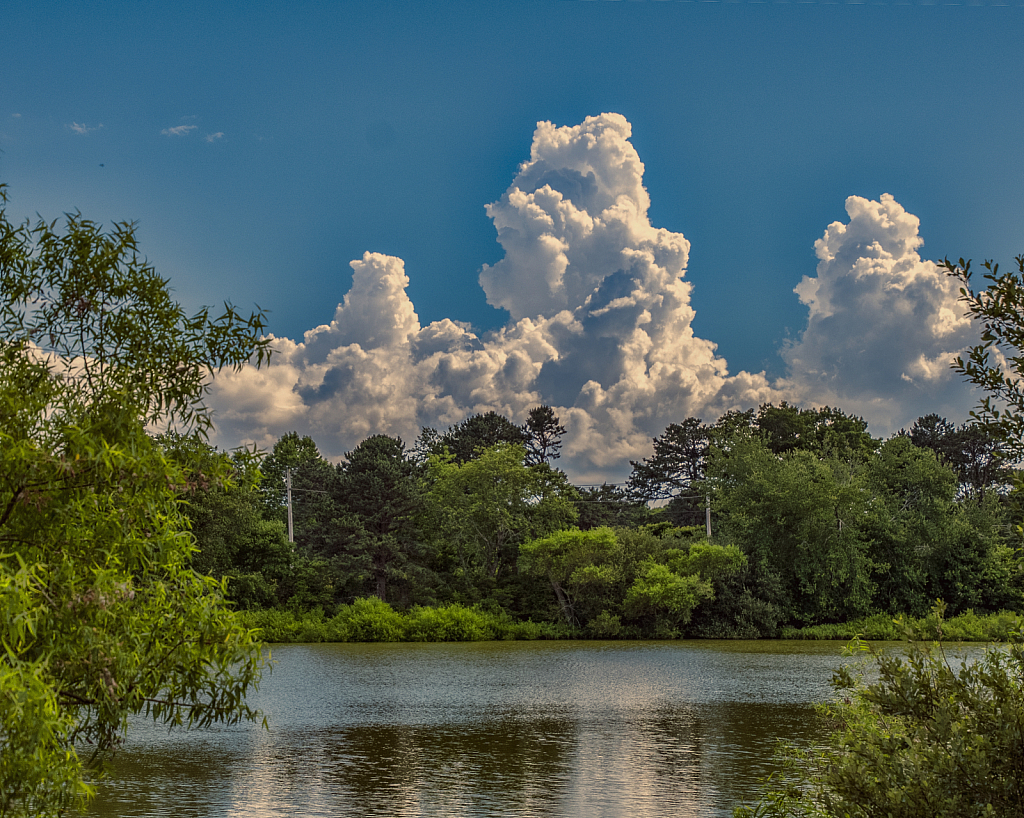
564	604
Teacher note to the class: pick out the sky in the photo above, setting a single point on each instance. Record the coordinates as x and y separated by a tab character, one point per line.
632	211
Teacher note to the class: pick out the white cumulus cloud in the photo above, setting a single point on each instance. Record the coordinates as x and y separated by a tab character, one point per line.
600	326
80	128
884	324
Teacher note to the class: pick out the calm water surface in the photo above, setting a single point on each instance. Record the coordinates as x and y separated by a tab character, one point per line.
617	729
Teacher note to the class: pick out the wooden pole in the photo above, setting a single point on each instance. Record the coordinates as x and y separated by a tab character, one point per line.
288	485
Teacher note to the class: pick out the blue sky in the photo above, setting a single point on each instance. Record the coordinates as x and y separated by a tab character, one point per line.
261	150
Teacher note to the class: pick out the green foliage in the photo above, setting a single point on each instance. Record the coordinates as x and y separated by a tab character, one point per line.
996	365
663	594
926	545
796	516
371	620
314	484
678	467
528	630
481	510
464	441
311	581
448	623
610	506
930	736
543	436
678	462
881	627
605	625
232	538
711	562
908	522
379	499
288	626
101	614
739	611
629	582
828	526
973	450
846	538
689	580
574	562
826	432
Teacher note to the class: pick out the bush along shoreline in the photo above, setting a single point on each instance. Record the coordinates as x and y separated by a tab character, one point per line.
373	620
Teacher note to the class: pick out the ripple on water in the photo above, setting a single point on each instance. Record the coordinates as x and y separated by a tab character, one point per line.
617	729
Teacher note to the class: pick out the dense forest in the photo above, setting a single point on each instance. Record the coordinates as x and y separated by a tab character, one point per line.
812	521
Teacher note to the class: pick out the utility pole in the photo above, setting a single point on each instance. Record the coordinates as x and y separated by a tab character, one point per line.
288	485
707	515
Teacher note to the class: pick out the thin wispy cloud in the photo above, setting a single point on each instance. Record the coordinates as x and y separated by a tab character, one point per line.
81	128
601	327
15	116
213	137
179	130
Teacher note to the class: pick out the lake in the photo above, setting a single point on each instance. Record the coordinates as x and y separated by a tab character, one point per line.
616	729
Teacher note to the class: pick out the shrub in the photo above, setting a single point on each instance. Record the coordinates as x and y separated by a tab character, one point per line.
967	627
371	620
511	630
449	623
284	626
930	737
605	626
274	625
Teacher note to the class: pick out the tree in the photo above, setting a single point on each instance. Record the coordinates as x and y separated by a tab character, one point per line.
465	440
680	457
483	509
608	505
825	431
908	522
981	460
660	593
679	460
101	614
973	450
933	432
666	589
996	364
783	428
711	562
573	561
314	484
543	436
232	537
797	517
379	495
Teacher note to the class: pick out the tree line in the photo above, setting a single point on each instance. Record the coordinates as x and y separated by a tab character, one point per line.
813	521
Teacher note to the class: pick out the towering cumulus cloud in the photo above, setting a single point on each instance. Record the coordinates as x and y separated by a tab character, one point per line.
884	324
600	325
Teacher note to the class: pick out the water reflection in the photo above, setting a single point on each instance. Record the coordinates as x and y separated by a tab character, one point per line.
545	729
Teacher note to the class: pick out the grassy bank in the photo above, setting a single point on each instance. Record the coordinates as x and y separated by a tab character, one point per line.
967	627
